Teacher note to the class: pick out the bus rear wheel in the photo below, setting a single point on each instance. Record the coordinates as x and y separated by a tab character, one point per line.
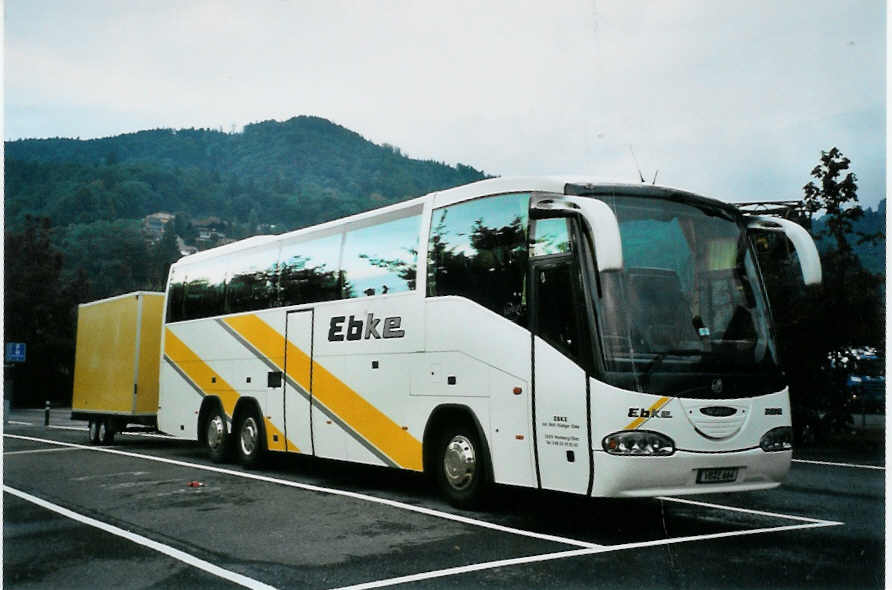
249	446
217	439
461	467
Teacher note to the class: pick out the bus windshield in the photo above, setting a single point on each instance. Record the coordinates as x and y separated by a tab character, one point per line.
687	315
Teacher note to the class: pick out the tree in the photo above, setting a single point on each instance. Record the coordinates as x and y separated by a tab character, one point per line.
832	196
40	310
846	310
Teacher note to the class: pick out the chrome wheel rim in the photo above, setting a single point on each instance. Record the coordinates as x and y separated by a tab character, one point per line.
103	431
216	432
459	463
249	436
94	431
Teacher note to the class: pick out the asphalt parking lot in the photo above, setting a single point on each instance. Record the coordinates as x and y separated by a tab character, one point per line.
126	515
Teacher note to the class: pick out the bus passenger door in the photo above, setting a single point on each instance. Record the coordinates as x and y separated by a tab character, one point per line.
297	384
560	346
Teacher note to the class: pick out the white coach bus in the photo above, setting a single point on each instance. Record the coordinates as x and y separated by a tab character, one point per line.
566	334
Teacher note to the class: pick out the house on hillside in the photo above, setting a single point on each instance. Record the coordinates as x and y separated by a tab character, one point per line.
153	225
210	231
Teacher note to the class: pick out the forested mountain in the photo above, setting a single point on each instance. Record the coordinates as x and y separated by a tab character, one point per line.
295	173
74	210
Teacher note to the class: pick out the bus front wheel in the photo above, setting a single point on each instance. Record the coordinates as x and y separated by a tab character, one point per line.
461	468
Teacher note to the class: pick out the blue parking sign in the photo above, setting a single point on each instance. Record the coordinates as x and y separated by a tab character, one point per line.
15	352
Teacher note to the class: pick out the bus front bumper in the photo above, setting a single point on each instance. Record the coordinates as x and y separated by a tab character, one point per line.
686	473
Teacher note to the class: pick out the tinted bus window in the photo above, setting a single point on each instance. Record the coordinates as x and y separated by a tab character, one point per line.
175	301
205	292
382	258
478	250
309	271
252	282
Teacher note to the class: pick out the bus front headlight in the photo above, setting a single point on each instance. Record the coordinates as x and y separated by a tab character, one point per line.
777	439
640	443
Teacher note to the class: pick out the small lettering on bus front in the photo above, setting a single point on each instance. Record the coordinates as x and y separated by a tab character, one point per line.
645	413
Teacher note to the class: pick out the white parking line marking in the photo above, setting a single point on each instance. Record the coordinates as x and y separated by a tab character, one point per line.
144	541
20	423
586	548
839	464
575	553
750	511
333	491
37	451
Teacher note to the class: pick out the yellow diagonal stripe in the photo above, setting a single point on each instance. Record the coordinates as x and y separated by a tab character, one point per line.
210	383
656	407
364	418
204	377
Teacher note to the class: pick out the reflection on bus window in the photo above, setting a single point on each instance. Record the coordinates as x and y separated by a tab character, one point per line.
309	271
550	237
382	258
175	296
252	282
205	292
478	250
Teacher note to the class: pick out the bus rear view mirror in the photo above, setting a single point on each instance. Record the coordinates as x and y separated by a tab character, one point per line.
806	251
601	221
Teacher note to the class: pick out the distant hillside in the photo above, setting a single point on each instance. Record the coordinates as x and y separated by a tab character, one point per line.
296	173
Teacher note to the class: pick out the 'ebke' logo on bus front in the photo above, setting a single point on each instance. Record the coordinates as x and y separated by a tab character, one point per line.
357	329
645	413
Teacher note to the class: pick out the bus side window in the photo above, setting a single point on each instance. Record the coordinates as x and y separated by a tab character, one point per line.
478	250
205	293
382	258
308	271
175	301
559	316
252	283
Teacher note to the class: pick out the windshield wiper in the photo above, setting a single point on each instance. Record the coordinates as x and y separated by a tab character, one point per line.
658	359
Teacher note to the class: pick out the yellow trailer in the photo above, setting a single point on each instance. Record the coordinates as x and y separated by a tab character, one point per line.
116	363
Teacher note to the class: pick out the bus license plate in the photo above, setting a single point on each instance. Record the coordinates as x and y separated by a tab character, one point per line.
720	475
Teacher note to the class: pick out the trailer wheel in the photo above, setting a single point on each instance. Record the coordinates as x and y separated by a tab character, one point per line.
461	467
106	431
216	438
93	431
249	447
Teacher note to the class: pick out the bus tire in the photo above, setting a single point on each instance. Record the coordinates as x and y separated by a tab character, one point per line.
461	466
106	431
93	431
249	447
216	438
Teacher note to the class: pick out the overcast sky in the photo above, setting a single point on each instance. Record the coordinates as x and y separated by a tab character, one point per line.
732	99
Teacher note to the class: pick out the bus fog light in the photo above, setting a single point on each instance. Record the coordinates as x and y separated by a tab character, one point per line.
777	439
642	443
